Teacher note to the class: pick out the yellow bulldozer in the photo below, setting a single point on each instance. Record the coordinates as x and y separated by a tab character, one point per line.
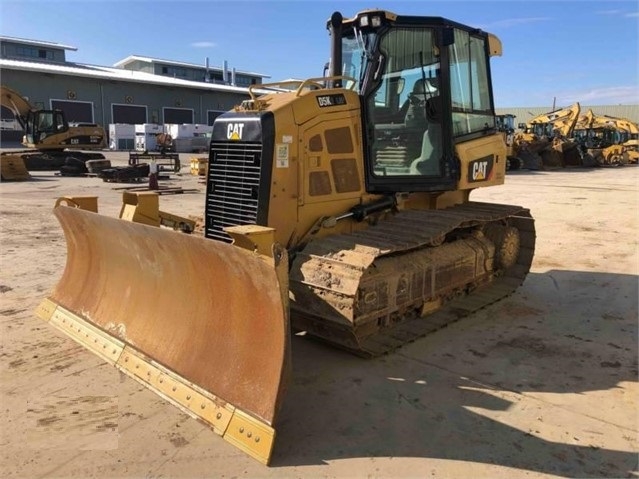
338	206
49	136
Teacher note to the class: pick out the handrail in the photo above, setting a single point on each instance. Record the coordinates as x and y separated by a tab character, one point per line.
326	80
318	83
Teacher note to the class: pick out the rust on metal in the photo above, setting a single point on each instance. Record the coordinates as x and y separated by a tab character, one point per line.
204	314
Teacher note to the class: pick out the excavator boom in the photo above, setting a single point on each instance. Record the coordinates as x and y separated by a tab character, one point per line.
18	105
562	121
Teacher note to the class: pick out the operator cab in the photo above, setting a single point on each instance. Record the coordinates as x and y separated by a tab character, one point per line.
425	86
43	123
505	123
541	130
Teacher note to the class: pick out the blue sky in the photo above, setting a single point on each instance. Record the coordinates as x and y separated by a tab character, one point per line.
554	51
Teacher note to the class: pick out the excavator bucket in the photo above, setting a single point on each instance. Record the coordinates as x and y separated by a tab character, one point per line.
202	323
12	168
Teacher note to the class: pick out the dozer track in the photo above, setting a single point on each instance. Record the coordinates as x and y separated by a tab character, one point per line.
375	290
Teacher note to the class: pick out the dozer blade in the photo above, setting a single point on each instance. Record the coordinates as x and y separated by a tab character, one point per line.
202	323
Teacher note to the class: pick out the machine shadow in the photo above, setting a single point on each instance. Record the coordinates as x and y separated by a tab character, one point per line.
455	394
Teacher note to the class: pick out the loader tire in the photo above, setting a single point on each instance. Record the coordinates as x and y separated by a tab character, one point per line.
513	163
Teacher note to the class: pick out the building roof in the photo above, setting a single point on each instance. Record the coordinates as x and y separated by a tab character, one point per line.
132	58
36	43
110	73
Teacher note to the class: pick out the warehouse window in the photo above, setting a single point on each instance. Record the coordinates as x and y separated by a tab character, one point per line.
31	52
175	72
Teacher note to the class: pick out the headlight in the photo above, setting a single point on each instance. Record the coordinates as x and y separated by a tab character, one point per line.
376	21
363	21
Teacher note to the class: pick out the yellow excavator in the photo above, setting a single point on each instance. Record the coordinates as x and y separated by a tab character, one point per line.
629	132
343	200
546	140
48	136
609	140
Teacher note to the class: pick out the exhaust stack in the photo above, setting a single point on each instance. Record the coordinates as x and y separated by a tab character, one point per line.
335	28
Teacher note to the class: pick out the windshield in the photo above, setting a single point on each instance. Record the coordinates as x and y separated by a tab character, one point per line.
470	89
505	122
403	106
356	53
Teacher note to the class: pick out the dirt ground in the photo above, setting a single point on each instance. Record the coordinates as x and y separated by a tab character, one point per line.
541	384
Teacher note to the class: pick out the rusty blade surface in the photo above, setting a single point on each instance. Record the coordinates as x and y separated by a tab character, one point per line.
208	311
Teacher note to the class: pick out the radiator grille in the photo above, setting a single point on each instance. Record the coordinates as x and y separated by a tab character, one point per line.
233	187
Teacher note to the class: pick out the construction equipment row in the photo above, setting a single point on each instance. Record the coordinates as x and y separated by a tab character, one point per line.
564	138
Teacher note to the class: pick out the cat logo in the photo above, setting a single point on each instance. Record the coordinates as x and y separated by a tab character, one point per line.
234	131
481	169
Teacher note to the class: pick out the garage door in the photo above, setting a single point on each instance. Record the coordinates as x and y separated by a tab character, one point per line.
75	111
178	115
128	114
8	120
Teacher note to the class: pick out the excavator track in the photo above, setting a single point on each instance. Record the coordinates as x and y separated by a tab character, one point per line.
335	269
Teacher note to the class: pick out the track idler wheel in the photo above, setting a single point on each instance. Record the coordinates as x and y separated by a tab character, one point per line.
507	244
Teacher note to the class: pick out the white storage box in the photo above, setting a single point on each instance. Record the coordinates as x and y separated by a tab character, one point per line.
121	136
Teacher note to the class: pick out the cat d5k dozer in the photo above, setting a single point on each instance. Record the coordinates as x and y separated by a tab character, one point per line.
360	180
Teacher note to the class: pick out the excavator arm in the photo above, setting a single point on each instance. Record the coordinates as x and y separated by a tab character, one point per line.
563	120
19	105
592	121
585	122
623	124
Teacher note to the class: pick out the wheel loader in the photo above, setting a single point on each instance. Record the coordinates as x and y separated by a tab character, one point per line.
48	135
338	206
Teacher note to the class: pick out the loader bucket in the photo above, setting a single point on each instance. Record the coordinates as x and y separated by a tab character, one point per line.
12	168
202	323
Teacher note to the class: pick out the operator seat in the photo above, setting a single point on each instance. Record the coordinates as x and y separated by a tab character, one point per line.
413	108
428	162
